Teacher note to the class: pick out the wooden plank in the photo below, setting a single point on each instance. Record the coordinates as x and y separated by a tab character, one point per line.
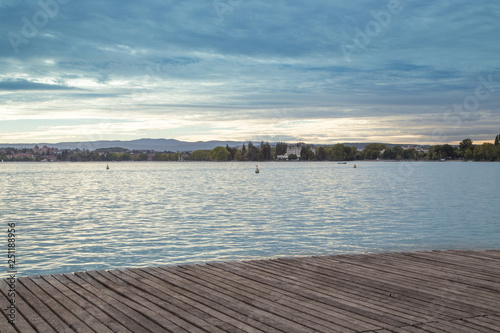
474	257
5	325
56	324
202	302
386	309
20	322
383	311
493	319
135	292
230	302
444	257
176	303
420	277
429	278
430	328
90	307
345	307
355	292
119	312
327	312
486	255
193	317
367	285
481	322
468	326
373	293
33	318
128	292
439	291
360	275
143	316
70	318
315	312
408	329
416	286
366	297
447	260
491	253
456	273
249	296
422	263
450	327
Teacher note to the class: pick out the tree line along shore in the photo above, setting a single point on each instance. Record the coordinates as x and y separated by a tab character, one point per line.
466	150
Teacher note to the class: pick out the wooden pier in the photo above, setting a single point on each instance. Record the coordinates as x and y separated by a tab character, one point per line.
438	291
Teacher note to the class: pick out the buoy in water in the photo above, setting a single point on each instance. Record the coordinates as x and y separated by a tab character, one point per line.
354	166
257	169
107	166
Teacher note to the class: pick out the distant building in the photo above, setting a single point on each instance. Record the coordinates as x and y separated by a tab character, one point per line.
50	158
22	155
296	148
36	150
417	148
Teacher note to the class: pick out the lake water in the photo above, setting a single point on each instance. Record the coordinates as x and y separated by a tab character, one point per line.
80	216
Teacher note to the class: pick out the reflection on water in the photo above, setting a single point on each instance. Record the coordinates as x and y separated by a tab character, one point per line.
80	216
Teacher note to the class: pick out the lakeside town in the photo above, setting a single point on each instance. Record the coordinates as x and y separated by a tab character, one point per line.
281	151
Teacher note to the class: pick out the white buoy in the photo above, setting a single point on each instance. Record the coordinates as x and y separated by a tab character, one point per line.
257	169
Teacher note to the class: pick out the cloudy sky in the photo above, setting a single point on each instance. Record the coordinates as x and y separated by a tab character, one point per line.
321	71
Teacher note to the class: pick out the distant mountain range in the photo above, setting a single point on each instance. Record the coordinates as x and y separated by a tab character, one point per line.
141	144
149	144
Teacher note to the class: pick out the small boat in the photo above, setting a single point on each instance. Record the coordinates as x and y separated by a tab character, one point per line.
342	163
107	166
257	169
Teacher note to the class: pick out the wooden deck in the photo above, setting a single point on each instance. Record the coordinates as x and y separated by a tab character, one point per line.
439	291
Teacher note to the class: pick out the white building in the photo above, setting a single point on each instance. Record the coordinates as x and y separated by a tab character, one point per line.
297	147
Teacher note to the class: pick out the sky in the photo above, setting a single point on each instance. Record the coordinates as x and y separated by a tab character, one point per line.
322	71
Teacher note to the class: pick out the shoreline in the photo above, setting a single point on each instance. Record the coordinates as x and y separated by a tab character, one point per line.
273	161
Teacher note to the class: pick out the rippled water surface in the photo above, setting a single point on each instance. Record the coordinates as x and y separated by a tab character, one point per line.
80	216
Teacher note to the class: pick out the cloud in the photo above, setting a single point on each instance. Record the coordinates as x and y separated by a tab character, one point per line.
244	66
22	84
